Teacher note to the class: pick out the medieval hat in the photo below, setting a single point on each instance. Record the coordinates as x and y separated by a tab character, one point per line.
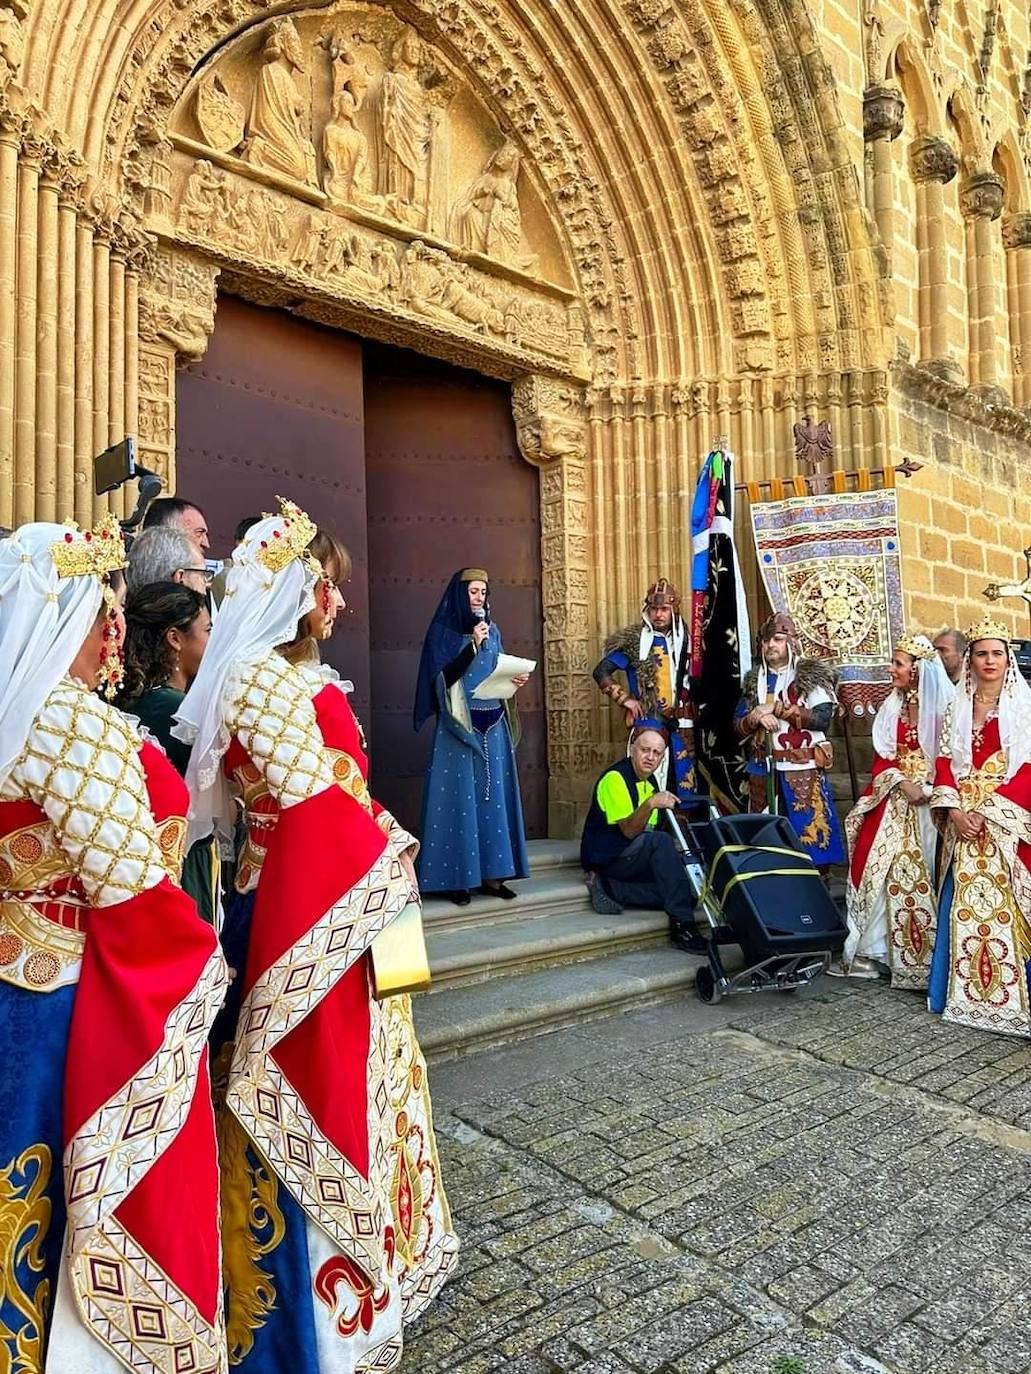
780	623
662	593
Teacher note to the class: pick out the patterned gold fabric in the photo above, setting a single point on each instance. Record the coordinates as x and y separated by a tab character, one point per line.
272	713
80	756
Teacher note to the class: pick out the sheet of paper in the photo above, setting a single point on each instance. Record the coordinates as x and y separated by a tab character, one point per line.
500	685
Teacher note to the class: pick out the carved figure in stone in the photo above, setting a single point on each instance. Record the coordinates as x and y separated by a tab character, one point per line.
277	138
320	249
421	266
348	68
203	198
345	152
12	47
487	219
220	117
378	267
403	131
277	225
461	296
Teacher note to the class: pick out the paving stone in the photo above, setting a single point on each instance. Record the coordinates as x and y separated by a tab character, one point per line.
810	1183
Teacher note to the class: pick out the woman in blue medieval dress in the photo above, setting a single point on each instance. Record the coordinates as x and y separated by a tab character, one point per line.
472	817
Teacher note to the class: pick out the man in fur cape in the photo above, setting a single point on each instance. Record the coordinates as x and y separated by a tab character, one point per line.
654	656
786	709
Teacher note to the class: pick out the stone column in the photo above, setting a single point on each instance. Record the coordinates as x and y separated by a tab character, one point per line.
933	163
10	142
29	165
46	341
1016	236
551	427
981	197
883	116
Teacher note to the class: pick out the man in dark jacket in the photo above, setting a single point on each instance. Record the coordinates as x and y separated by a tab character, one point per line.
628	859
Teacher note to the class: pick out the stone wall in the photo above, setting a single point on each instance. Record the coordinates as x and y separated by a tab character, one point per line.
967	513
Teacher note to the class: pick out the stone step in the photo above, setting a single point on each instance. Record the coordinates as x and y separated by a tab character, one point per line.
546	856
487	950
481	1015
557	889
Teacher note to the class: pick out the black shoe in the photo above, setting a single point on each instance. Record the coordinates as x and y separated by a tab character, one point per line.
602	900
461	897
686	938
505	893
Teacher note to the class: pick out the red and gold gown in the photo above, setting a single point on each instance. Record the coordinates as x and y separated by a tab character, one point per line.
982	955
336	1227
109	984
890	897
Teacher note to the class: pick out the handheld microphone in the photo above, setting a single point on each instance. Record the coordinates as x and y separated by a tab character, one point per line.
480	615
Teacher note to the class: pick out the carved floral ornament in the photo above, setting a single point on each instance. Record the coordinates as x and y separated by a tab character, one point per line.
340	149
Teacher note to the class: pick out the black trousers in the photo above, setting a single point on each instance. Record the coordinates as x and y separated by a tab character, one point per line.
650	873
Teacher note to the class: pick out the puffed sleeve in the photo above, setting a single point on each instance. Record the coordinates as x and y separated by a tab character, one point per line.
81	765
270	710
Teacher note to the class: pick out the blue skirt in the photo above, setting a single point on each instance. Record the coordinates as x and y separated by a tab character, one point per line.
34	1032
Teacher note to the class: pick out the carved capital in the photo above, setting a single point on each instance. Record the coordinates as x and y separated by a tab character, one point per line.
550	419
177	300
932	159
1016	231
981	196
884	110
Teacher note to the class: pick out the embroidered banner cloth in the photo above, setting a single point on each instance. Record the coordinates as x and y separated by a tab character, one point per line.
833	562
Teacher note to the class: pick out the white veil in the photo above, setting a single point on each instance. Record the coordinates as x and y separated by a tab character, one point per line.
934	692
260	611
1014	717
44	620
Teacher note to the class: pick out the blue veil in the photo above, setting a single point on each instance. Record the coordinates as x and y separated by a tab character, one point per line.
452	621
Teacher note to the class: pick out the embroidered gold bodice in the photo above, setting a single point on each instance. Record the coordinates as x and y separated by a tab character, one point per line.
76	831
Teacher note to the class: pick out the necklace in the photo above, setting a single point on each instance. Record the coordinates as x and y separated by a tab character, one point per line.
987	701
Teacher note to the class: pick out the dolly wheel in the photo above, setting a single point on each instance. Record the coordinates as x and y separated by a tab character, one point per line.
706	987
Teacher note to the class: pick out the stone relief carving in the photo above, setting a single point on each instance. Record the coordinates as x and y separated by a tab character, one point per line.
276	134
345	153
404	132
12	40
549	418
363	109
487	219
226	215
222	120
177	300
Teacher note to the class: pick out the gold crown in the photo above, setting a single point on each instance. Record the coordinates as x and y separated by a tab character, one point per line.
916	646
987	628
90	553
291	541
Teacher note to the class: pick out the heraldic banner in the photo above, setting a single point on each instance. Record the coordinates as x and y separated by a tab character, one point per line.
833	563
720	640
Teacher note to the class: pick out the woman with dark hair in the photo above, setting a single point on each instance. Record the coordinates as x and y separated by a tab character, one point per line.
472	814
335	1224
166	632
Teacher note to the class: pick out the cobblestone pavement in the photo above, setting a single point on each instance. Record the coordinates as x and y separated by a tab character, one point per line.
830	1184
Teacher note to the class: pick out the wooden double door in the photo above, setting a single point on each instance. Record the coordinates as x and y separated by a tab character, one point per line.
414	464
